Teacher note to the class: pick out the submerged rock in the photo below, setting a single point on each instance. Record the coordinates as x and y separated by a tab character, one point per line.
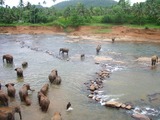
139	116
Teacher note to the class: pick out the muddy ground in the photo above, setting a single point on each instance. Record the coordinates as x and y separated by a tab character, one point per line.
121	33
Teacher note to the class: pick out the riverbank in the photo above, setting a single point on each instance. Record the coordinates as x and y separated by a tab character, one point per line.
120	33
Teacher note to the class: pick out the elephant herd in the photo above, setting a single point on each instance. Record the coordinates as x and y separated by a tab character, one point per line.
7	112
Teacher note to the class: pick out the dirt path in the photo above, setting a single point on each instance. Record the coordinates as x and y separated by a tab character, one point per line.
121	33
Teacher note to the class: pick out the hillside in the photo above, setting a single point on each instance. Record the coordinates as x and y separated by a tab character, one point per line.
87	3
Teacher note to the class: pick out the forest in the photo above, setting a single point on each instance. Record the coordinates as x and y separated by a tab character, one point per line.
76	15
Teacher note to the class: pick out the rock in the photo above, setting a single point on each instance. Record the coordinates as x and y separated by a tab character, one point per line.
128	107
139	116
123	106
92	87
113	104
90	96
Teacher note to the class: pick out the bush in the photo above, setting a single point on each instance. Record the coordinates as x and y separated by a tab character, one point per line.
107	19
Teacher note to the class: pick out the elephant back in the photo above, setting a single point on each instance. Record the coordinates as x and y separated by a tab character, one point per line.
52	76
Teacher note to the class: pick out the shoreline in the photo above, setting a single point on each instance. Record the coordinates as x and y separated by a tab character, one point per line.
120	33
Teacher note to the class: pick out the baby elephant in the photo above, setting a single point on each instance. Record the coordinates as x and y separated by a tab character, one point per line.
7	113
19	72
24	64
57	116
11	89
44	89
64	50
154	60
98	48
8	58
43	101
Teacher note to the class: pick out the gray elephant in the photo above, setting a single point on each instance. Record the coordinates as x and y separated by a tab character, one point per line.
113	39
44	89
23	93
54	78
154	60
4	98
43	101
11	89
24	64
98	48
19	72
7	113
63	50
8	58
57	116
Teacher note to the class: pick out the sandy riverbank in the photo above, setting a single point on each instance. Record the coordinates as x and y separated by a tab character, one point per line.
121	33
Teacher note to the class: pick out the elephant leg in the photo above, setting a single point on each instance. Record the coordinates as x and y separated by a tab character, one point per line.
153	62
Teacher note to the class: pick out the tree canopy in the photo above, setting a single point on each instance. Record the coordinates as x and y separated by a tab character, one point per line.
79	14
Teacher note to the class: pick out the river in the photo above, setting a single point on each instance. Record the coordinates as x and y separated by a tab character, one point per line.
131	80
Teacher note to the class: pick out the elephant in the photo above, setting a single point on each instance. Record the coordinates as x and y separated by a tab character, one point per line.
7	113
11	89
154	60
82	55
44	89
64	50
54	78
8	58
57	116
43	101
113	39
27	101
24	64
23	93
98	48
4	98
19	72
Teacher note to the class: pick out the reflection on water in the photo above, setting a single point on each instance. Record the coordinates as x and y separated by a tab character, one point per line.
130	80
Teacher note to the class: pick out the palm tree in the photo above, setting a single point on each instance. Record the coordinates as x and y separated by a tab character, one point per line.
21	3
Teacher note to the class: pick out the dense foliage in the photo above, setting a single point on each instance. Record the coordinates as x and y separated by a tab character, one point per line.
75	15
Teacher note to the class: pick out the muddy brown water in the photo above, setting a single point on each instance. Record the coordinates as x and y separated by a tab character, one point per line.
130	80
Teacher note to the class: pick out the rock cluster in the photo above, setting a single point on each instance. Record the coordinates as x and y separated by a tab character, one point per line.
97	95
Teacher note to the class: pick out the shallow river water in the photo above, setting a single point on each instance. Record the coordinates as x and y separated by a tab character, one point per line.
130	80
